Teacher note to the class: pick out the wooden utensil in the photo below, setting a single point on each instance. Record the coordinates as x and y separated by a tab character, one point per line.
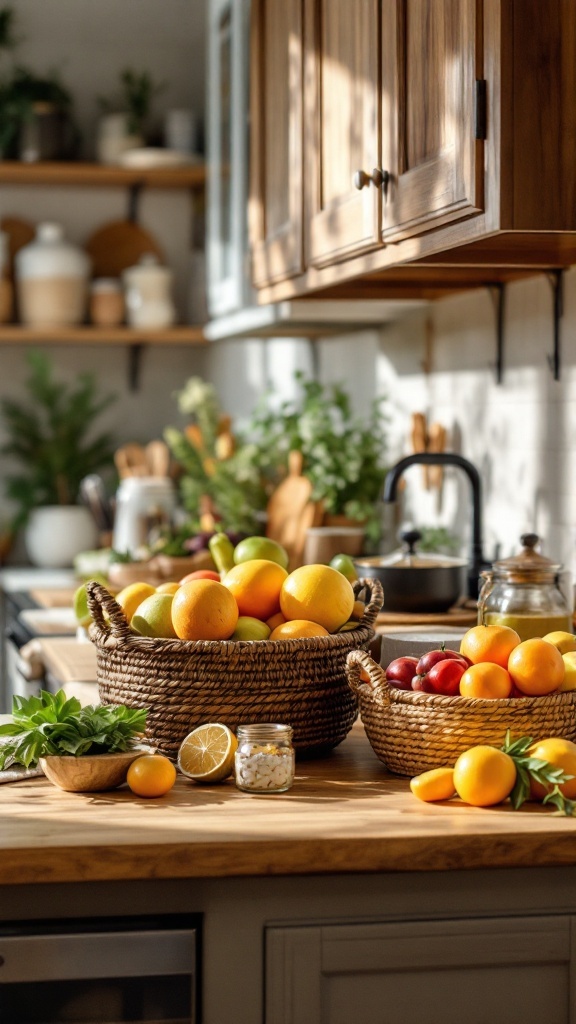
119	245
158	458
130	460
436	443
291	511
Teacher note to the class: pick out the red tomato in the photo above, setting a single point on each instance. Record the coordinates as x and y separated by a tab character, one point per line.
201	574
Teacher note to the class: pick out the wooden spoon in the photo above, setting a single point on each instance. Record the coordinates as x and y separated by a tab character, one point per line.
130	460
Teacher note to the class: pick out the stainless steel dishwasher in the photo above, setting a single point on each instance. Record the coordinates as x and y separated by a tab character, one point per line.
107	971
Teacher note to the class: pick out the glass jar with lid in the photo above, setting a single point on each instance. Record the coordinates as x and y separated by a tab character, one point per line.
264	760
526	593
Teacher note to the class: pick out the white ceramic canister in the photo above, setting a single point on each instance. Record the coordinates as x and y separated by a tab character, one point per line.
51	279
148	292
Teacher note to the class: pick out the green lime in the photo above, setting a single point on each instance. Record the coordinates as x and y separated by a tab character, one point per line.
80	604
260	547
345	565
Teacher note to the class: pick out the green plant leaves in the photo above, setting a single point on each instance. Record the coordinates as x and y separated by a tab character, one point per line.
534	768
55	724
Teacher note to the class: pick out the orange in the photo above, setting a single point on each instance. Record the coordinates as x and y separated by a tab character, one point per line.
297	628
201	574
318	593
486	680
151	775
256	586
536	667
204	610
484	776
561	754
167	588
437	784
275	620
489	643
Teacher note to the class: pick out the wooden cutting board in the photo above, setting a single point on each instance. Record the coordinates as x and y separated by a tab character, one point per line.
291	511
119	245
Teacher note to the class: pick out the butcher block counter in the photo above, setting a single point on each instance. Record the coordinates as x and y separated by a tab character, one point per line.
315	906
345	813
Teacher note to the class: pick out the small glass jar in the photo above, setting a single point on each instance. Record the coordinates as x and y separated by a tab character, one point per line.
264	760
525	592
106	302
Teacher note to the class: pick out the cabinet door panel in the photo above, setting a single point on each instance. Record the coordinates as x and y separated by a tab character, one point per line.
430	63
508	971
276	203
342	117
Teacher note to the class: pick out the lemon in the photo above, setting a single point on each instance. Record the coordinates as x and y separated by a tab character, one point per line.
131	596
207	753
153	617
318	593
436	784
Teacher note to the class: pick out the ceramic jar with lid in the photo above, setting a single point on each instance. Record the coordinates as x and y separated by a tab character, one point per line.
148	293
51	279
527	592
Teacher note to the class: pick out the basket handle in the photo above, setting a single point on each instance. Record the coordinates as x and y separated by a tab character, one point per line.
359	663
107	615
374	599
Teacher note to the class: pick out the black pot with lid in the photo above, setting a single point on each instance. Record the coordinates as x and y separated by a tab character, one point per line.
528	592
414	581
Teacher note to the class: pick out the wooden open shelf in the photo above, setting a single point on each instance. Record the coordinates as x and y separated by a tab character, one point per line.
11	334
14	172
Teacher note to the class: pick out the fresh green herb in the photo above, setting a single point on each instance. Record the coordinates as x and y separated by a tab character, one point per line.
53	724
535	768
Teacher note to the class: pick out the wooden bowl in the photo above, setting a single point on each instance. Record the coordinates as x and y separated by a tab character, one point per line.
88	773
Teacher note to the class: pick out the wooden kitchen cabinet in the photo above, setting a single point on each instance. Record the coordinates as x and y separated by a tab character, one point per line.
276	118
433	134
513	969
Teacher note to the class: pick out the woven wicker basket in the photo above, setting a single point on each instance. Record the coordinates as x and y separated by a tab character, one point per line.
413	732
184	683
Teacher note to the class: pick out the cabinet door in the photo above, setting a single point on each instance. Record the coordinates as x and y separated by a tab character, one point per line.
342	127
507	971
430	63
276	210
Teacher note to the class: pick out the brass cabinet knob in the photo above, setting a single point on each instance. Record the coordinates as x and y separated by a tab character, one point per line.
379	178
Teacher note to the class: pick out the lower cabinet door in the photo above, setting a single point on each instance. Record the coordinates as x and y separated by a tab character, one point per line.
497	970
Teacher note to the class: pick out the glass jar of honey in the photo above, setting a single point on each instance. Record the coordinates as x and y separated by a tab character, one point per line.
526	593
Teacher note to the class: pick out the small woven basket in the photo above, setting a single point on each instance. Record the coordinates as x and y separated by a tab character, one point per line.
183	683
413	732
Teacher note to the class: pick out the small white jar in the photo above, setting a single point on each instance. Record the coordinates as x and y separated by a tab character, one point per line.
148	294
264	760
51	279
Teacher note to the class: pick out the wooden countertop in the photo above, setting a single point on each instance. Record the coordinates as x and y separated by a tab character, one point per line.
344	814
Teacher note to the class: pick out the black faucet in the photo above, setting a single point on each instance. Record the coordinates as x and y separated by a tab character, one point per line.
477	560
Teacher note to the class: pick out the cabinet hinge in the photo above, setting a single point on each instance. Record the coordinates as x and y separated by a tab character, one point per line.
480	109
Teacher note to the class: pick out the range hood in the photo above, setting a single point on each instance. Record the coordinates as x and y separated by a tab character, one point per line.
308	318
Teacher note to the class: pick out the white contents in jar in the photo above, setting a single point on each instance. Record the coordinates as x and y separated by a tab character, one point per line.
264	767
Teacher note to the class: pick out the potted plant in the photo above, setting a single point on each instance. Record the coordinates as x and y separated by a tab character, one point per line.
50	435
35	110
220	482
124	116
343	456
79	749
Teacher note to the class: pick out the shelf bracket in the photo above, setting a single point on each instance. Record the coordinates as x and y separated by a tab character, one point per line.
556	281
498	294
135	351
134	201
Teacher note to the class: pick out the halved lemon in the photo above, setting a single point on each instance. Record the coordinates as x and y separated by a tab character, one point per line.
207	753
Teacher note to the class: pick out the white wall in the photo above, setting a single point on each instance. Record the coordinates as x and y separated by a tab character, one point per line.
90	43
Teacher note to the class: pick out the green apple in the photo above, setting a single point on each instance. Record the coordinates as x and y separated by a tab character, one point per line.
249	628
260	547
345	565
154	616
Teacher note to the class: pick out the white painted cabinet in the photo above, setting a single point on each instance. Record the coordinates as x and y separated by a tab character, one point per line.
498	970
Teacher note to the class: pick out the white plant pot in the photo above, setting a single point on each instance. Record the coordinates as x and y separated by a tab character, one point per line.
113	139
55	534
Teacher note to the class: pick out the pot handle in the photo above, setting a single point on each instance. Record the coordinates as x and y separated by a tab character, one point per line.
364	674
374	599
107	615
